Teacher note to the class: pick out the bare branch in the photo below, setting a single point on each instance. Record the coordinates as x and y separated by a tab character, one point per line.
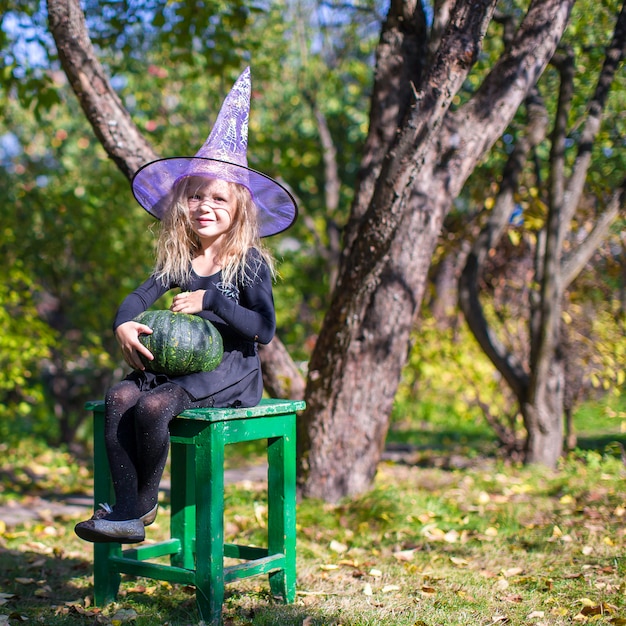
505	361
574	263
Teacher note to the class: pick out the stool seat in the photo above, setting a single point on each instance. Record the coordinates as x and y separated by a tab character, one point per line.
196	547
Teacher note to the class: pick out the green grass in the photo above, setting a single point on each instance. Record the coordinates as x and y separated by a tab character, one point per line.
427	546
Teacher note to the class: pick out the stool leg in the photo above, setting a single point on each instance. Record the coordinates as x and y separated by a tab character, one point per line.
183	503
209	469
105	581
281	456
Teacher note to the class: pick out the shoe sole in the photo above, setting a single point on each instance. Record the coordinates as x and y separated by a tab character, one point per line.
149	517
94	536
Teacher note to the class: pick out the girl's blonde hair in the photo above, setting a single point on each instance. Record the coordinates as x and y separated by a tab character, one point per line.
177	244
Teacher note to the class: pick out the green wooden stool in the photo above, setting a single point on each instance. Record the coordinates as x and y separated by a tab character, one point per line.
196	547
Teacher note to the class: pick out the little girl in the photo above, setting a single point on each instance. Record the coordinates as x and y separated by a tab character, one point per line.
213	210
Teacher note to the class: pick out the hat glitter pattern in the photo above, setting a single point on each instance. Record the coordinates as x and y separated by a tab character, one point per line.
223	156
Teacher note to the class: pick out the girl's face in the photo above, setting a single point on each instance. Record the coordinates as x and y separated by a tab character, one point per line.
212	205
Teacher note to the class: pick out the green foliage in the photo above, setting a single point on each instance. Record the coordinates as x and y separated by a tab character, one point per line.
448	379
25	341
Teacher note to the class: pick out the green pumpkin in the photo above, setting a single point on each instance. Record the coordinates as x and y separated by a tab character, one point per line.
180	343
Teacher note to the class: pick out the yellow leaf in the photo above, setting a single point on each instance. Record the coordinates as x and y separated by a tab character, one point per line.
567	499
458	561
491	532
556	532
329	566
559	611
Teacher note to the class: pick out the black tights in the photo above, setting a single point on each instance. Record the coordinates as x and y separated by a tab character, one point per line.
137	441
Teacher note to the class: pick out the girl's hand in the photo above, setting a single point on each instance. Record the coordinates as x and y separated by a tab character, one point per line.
127	335
188	302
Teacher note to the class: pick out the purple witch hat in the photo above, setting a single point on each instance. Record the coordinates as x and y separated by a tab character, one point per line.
223	156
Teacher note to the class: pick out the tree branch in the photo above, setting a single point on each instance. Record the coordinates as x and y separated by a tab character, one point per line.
110	121
613	58
504	360
574	263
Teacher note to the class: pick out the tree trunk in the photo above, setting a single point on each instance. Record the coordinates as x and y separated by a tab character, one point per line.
543	418
363	344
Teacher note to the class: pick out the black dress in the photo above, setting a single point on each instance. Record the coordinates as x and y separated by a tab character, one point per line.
244	315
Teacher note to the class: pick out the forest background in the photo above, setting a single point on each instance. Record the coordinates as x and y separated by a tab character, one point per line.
74	242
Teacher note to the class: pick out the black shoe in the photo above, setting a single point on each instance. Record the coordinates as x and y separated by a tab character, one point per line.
111	531
150	516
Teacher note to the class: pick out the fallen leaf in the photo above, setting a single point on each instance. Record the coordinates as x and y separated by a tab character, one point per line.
389	588
375	572
367	590
327	567
428	590
559	611
124	615
458	561
338	547
516	598
260	514
404	555
25	581
535	615
512	571
44	592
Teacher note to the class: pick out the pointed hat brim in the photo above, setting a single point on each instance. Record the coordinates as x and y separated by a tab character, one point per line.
152	186
223	156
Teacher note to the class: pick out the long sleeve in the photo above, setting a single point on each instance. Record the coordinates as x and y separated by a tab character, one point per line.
139	300
249	308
